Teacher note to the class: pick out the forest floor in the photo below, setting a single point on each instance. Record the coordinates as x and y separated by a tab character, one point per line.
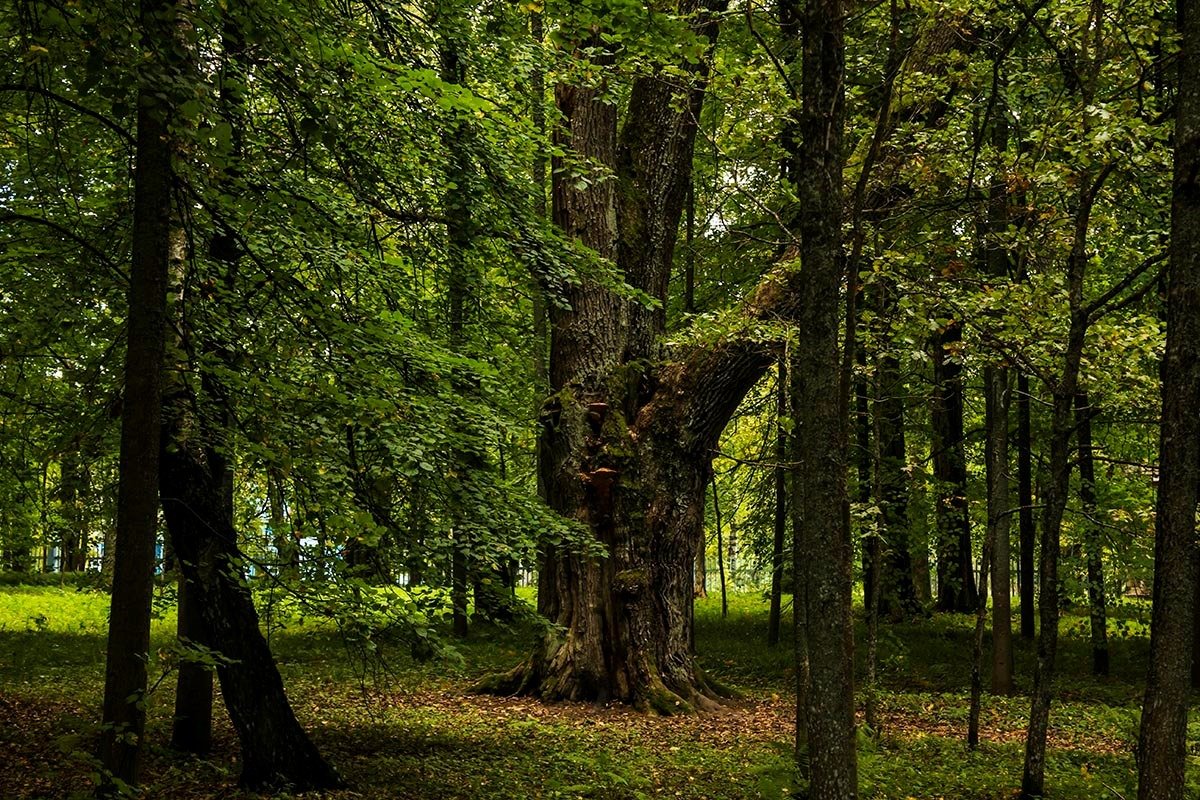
409	729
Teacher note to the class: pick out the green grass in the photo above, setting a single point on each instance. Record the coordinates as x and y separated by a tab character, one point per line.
405	729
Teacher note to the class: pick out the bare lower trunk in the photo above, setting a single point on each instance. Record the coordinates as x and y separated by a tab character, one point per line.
955	578
1092	541
191	730
625	618
998	511
780	527
1027	536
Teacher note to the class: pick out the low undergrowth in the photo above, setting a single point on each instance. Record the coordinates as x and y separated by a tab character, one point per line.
398	727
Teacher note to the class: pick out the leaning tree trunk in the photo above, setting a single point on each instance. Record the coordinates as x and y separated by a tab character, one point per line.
276	752
1056	489
1162	745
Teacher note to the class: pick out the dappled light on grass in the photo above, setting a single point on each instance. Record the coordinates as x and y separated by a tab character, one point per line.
412	732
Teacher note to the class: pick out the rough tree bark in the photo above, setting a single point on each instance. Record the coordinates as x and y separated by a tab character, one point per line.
124	713
1162	745
822	546
625	447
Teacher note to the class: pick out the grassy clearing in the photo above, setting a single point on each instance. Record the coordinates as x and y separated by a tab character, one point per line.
405	729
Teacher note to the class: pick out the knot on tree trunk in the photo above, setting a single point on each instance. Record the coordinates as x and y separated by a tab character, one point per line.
629	582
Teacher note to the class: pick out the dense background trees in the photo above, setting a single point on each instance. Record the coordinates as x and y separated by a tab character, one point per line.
451	297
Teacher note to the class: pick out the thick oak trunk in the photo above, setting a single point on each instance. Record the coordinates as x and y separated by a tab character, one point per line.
625	448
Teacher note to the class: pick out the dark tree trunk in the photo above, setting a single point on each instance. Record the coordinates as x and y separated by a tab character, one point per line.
898	596
780	527
191	729
822	547
996	458
623	449
1025	569
72	495
997	385
137	493
1092	537
276	752
196	491
457	205
955	577
1162	746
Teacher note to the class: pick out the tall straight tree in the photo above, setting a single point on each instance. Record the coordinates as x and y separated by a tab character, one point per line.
1162	744
955	575
137	492
997	389
822	547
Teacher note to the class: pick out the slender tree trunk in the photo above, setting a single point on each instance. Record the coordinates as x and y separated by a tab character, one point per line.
780	527
1162	745
985	564
191	729
956	579
898	597
997	404
820	408
137	494
1056	490
864	466
720	549
283	534
996	538
1092	544
1025	501
463	281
